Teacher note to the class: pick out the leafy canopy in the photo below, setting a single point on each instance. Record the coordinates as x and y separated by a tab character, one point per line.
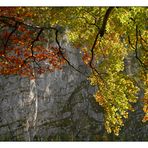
106	37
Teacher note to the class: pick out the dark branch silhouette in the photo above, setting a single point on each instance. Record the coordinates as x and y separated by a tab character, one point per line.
106	17
11	33
100	33
136	49
61	54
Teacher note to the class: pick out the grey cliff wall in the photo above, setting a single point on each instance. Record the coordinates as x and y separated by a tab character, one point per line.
57	106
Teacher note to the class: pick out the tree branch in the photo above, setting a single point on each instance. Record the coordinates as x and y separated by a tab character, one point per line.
32	52
102	30
61	53
23	23
36	39
136	49
89	23
100	33
7	40
16	26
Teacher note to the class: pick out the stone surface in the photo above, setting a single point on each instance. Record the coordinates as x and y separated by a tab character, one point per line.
58	106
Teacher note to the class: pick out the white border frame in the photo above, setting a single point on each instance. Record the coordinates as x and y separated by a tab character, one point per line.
73	2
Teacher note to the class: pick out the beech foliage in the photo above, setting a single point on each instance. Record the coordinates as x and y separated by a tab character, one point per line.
30	44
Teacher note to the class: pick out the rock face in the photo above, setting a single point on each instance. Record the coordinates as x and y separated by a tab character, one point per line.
57	106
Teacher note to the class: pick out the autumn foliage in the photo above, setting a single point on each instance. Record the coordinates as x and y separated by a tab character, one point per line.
23	49
106	37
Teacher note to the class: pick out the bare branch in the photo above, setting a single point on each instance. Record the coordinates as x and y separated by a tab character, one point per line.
102	30
23	23
142	39
100	33
136	49
32	52
61	53
129	41
16	26
89	23
36	39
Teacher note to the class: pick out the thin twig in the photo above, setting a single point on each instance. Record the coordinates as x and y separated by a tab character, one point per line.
36	39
